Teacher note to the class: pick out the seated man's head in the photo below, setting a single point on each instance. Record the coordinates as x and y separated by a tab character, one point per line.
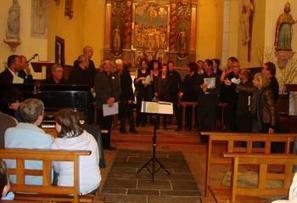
32	111
14	63
4	183
57	72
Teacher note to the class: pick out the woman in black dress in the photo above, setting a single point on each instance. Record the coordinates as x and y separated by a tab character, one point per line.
144	90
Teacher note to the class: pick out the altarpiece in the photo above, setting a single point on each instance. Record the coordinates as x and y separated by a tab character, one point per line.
151	29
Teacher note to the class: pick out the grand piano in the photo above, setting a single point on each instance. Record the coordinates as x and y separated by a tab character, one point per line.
55	97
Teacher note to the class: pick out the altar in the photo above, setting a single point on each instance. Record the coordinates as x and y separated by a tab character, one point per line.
151	29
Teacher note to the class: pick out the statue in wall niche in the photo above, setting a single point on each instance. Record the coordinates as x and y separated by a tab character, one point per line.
13	22
283	33
182	42
246	20
116	42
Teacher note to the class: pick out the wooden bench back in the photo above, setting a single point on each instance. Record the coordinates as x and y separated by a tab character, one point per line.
46	157
264	175
230	139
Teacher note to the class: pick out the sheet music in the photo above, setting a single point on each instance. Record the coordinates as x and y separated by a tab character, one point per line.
211	82
110	110
157	107
17	80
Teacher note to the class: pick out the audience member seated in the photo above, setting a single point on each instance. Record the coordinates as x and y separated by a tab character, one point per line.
6	121
57	72
73	137
4	183
28	135
292	192
25	71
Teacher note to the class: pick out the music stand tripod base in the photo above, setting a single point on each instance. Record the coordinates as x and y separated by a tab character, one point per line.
153	160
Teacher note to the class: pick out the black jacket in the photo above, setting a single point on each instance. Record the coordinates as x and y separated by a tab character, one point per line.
126	86
106	86
143	92
274	86
6	78
83	77
175	84
191	88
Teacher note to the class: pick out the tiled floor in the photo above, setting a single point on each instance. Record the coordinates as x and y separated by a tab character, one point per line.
123	184
138	188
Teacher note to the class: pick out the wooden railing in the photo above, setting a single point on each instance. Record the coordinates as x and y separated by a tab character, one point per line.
233	143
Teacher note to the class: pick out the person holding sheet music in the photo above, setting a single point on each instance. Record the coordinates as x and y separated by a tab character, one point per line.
208	99
155	67
108	90
13	74
143	91
228	91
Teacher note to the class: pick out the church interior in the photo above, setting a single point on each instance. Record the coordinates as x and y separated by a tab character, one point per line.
148	101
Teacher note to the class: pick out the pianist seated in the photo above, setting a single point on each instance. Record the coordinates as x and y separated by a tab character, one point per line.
28	135
57	73
71	136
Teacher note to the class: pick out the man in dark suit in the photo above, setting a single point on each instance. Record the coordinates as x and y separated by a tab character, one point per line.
13	67
25	71
126	97
108	90
175	84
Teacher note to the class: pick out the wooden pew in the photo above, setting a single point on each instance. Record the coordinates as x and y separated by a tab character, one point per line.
46	191
229	141
264	162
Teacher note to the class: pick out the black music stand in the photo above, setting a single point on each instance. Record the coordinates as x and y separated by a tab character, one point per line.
145	108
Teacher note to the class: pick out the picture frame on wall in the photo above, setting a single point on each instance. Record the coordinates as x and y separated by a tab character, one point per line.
59	50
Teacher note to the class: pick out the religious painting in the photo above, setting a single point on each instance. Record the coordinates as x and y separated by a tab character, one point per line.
150	26
39	18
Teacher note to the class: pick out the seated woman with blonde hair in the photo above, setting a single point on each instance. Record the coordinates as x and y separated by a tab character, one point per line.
73	137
